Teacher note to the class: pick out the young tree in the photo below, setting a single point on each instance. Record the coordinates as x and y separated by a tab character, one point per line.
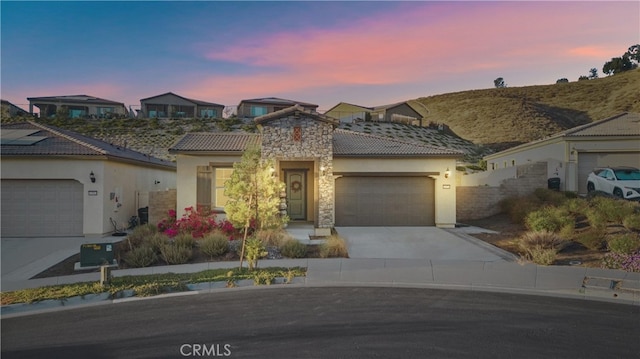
499	83
254	195
593	73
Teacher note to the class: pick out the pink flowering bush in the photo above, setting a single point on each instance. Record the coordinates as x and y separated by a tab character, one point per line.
198	224
625	262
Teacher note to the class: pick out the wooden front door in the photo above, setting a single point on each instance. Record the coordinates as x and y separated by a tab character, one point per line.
296	194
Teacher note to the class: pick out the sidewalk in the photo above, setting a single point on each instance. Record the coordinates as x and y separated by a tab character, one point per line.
499	276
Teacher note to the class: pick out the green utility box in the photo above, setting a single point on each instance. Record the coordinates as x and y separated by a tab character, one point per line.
96	254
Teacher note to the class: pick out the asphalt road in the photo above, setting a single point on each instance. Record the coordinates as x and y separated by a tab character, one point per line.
332	323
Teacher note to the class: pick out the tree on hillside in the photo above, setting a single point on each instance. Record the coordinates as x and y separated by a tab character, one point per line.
499	83
583	78
254	195
628	61
593	73
563	80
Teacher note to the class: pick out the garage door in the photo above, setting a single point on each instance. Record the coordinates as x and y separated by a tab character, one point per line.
385	201
37	208
588	161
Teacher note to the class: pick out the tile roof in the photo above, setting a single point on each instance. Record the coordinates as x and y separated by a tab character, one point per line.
293	110
75	98
625	124
215	142
59	142
349	143
279	101
197	102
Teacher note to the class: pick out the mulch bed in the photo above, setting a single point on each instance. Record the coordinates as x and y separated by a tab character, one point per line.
67	266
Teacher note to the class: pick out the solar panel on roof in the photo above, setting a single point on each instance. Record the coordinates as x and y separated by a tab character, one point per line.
23	141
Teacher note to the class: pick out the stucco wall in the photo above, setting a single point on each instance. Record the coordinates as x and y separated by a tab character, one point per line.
124	180
187	176
476	202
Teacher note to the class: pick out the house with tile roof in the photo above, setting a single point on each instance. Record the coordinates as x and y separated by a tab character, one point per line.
401	112
56	182
77	106
333	177
572	154
252	108
170	105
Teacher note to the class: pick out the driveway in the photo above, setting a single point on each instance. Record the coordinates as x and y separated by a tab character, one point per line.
418	243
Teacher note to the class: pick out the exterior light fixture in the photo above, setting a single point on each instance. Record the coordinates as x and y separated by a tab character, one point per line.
92	177
447	173
323	170
156	182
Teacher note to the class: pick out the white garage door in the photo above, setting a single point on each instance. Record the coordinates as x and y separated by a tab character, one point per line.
41	208
588	161
385	201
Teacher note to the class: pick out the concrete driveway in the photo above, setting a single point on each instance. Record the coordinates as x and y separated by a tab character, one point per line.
418	243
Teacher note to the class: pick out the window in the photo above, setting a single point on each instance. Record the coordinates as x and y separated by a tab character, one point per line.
210	187
208	113
102	111
513	163
297	134
258	110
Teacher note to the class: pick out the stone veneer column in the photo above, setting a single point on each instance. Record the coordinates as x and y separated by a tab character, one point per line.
315	145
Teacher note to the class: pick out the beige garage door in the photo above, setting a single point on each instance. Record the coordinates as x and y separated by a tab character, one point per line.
385	201
588	161
38	208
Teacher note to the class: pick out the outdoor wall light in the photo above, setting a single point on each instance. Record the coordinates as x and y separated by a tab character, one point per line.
156	182
447	173
92	177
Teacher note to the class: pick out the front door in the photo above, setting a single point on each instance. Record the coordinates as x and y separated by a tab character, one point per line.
296	194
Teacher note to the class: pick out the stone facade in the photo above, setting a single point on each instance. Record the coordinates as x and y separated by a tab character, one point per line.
311	141
160	203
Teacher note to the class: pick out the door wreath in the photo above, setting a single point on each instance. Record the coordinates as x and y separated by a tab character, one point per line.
296	186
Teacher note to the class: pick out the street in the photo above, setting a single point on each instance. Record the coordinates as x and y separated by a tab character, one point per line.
331	323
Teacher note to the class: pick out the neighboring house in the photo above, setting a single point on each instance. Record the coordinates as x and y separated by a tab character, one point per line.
78	106
170	105
333	177
572	154
250	109
401	112
59	183
12	109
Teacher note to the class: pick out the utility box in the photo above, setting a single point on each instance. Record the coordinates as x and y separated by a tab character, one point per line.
96	254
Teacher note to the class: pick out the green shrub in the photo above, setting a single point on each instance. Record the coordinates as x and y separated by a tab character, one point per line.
272	237
612	209
542	256
632	222
551	219
596	218
293	248
263	277
214	244
185	240
517	208
592	239
175	254
254	250
541	239
156	241
551	197
139	257
576	206
139	235
567	231
624	244
334	246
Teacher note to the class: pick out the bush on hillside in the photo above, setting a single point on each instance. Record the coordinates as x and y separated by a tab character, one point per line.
551	219
632	222
593	239
624	243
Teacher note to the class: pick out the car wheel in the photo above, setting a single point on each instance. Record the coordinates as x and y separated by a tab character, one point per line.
617	192
590	187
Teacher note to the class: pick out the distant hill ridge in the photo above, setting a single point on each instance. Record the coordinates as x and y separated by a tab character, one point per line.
504	117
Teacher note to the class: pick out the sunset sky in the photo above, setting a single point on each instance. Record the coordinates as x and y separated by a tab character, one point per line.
367	53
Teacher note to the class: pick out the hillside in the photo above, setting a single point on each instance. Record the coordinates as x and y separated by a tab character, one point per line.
492	118
503	117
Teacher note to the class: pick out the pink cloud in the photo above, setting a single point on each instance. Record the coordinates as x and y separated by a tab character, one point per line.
419	43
